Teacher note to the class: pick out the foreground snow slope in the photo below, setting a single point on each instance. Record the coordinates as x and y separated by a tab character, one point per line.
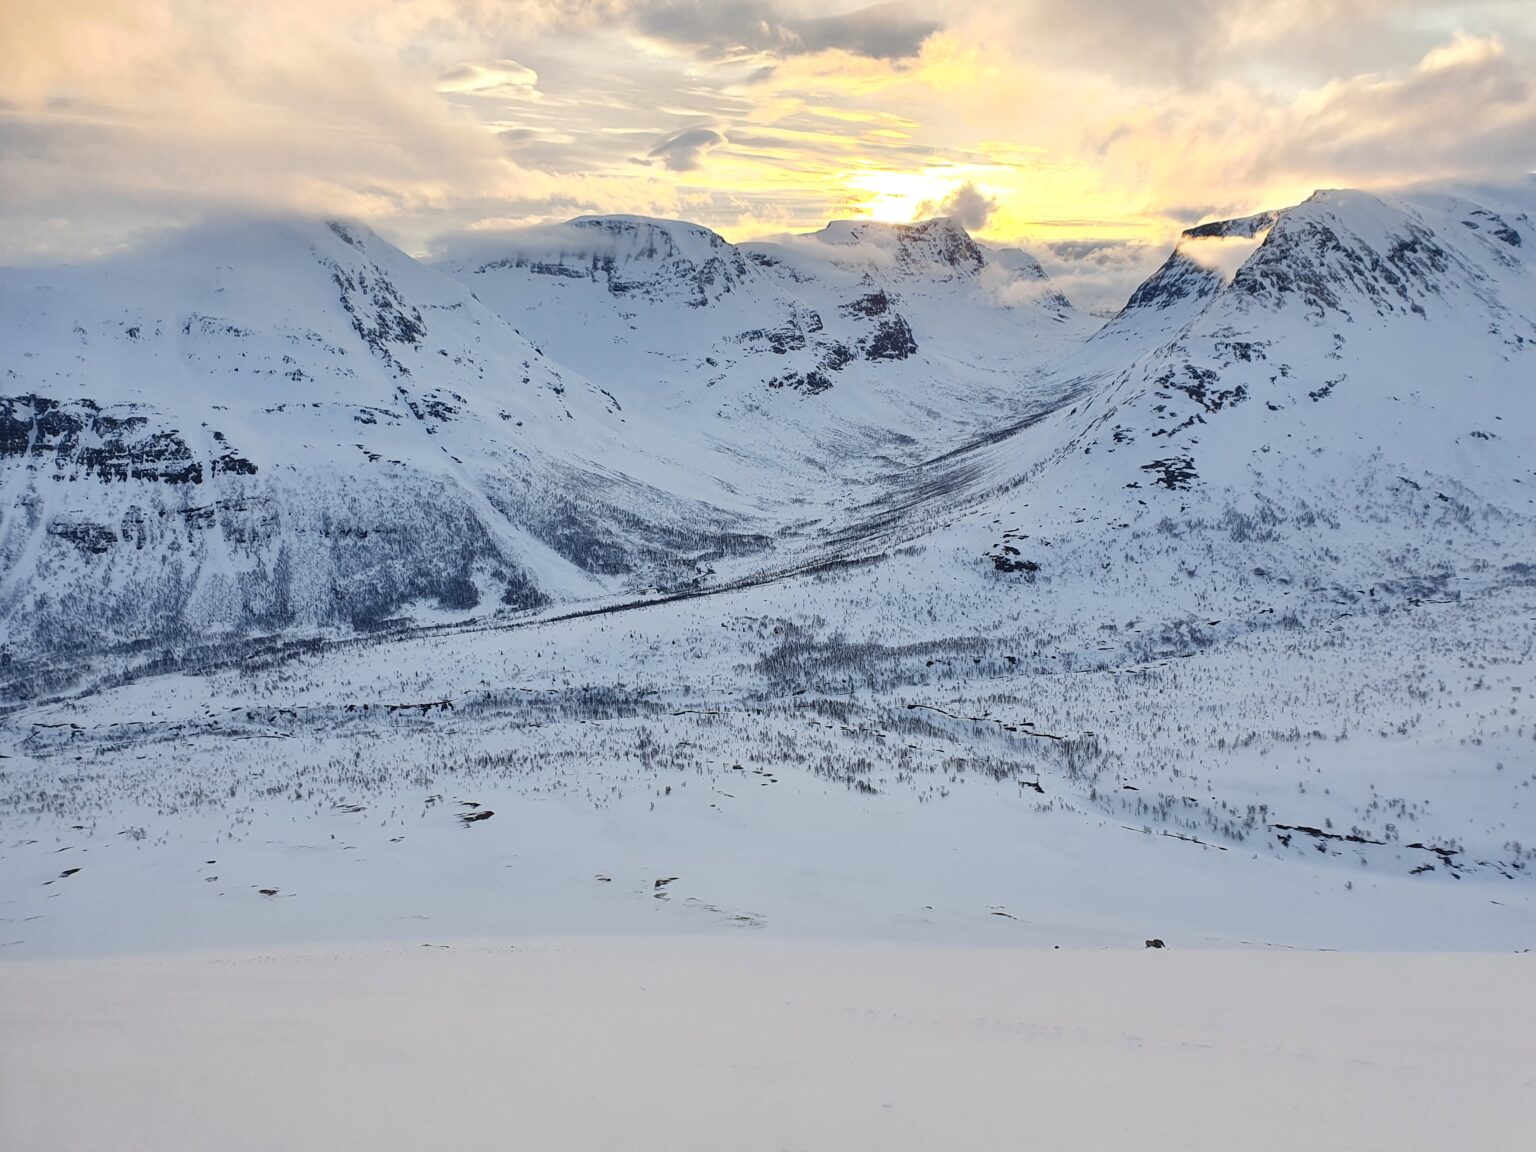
700	1044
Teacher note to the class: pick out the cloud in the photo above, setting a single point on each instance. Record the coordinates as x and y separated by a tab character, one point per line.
1462	52
1116	121
765	27
1222	254
1465	110
1468	108
684	151
882	32
968	205
1099	275
498	76
1168	44
123	118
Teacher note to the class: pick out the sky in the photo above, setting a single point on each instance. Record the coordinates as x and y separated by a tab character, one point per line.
1092	132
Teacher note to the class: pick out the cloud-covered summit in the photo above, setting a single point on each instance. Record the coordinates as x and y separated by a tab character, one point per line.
967	204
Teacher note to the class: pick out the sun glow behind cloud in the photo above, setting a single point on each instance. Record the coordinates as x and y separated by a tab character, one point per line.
1116	124
896	197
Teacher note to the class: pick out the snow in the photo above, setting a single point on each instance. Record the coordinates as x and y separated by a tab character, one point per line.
707	1043
772	691
1214	625
798	782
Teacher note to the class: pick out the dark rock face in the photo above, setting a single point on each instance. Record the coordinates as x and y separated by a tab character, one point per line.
837	357
346	235
936	250
892	340
381	317
92	539
1248	351
940	241
809	383
432	408
145	537
1003	562
1180	278
1480	219
232	465
1203	386
870	306
1174	473
1308	258
81	439
786	338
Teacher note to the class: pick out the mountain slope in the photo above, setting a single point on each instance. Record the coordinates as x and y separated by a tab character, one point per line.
280	427
1348	409
826	358
1230	647
276	425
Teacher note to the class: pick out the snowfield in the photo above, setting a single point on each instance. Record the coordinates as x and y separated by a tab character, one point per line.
707	1044
777	653
1272	686
1350	779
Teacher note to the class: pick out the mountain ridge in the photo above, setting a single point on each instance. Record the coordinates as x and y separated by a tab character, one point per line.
193	443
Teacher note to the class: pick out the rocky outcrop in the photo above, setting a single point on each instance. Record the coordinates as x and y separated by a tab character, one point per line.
81	440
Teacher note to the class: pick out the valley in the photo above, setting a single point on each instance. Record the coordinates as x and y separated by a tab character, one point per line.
613	578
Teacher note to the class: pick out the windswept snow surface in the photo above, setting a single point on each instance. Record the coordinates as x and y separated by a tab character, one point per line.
1215	624
685	1045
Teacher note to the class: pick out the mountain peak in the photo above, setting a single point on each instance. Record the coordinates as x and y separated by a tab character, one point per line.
636	256
939	245
654	237
1241	227
1205	260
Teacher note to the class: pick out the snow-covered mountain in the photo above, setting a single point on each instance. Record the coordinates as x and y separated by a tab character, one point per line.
283	425
278	426
801	362
1212	623
1351	393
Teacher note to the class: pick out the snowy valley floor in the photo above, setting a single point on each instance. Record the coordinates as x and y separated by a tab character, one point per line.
755	1044
1335	779
837	863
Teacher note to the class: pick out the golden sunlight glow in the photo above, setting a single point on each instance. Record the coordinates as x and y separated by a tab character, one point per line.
424	119
896	197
